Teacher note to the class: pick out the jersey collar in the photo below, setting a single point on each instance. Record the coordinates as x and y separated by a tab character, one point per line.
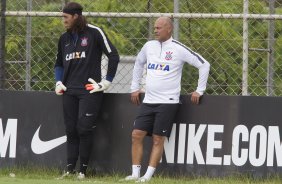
167	41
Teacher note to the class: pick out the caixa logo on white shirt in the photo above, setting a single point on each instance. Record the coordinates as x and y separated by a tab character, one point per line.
162	67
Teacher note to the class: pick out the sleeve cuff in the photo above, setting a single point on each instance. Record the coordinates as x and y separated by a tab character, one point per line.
108	78
200	92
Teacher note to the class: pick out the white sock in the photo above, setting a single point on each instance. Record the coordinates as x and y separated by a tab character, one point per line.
136	170
149	173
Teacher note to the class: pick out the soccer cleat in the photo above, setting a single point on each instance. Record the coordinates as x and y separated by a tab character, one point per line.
81	176
142	180
131	178
66	175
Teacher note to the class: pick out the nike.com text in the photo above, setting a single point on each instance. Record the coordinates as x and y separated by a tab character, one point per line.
258	145
196	144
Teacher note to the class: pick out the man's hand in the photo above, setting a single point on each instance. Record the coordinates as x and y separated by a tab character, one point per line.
135	97
95	87
195	97
60	88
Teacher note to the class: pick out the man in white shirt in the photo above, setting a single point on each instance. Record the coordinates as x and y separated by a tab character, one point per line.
164	58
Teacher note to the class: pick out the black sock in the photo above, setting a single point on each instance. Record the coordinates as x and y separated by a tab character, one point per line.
70	168
85	150
83	168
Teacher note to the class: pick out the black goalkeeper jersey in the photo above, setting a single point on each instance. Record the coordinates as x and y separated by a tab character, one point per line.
81	56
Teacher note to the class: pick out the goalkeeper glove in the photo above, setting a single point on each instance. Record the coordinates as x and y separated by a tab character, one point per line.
60	88
95	87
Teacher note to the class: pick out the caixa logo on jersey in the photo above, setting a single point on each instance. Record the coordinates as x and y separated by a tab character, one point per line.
8	139
75	55
257	145
162	67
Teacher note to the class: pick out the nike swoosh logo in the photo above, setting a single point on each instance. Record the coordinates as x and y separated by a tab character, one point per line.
39	147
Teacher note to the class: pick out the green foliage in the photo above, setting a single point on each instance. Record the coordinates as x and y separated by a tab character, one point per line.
219	41
220	44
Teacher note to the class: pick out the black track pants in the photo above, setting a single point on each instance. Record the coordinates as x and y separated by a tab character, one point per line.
80	115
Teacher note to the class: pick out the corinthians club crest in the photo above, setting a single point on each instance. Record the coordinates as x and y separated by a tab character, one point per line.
168	55
84	42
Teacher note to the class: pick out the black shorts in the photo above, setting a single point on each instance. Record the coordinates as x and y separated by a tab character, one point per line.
156	118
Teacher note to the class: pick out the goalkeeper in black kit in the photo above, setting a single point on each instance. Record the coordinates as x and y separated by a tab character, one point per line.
79	81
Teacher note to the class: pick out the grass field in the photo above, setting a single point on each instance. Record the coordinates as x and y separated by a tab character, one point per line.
44	176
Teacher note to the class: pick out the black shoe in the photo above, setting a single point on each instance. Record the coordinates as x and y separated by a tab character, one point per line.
81	176
67	174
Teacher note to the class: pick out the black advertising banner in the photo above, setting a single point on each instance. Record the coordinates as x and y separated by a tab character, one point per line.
226	135
31	128
223	135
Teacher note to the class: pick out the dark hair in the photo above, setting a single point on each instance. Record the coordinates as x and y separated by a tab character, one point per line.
73	8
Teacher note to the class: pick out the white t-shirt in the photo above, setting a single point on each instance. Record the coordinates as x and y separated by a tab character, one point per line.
164	70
